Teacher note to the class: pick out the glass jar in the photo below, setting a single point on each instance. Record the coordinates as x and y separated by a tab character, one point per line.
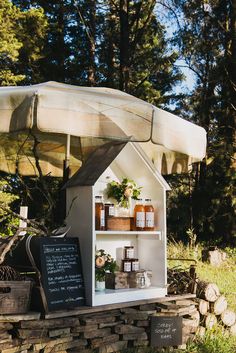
127	265
135	265
99	213
139	215
149	215
129	252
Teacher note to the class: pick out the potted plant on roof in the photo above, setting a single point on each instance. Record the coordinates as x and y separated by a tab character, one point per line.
104	263
123	193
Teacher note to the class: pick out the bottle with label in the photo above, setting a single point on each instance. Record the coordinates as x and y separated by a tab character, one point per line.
99	213
109	211
149	215
139	215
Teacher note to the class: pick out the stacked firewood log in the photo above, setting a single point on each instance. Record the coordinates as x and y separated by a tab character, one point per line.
181	281
212	306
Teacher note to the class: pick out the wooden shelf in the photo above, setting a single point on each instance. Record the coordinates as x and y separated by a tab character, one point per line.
111	296
134	232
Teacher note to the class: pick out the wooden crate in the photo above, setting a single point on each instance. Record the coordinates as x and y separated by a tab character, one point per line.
119	223
117	280
14	297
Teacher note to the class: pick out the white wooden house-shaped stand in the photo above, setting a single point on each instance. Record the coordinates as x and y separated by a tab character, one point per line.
150	246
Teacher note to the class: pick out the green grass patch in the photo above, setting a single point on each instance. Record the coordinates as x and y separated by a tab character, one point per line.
215	341
223	276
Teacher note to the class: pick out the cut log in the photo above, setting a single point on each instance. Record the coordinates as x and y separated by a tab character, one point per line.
219	306
203	306
207	291
210	321
196	317
201	331
213	256
228	318
232	330
191	325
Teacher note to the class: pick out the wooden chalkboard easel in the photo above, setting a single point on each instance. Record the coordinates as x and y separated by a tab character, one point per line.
57	263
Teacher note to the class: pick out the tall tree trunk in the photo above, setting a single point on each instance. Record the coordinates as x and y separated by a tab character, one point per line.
124	45
111	46
92	34
61	42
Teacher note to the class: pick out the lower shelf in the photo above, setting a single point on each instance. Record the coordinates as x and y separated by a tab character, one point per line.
110	296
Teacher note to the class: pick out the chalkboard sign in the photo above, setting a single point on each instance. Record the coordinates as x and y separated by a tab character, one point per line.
61	273
166	331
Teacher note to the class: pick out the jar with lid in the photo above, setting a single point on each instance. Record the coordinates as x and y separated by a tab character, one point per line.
139	215
129	252
149	215
127	265
135	265
99	213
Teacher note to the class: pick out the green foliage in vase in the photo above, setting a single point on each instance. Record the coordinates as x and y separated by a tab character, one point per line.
123	191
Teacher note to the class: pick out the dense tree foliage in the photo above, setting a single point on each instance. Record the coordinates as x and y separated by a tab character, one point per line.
123	44
120	44
21	40
206	38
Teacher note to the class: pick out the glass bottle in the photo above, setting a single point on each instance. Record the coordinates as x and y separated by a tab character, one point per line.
109	211
139	215
99	213
149	215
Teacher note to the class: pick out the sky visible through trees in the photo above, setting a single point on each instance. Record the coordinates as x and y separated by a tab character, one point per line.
143	48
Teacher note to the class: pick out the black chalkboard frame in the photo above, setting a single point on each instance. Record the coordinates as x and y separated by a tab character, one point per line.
166	331
76	295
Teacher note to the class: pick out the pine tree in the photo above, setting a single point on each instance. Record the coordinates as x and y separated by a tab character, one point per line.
21	41
206	38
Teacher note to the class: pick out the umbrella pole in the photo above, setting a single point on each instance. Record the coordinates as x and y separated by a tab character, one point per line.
66	162
65	178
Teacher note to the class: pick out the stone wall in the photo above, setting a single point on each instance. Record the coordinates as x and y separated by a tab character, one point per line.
101	329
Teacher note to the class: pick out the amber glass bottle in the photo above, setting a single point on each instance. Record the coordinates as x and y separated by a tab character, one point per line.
99	213
139	215
149	215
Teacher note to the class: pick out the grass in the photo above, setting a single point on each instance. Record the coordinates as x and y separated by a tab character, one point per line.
224	276
217	340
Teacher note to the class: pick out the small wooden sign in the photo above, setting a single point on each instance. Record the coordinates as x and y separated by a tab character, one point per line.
166	331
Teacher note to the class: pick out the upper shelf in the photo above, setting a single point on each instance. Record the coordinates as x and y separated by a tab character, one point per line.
131	232
157	232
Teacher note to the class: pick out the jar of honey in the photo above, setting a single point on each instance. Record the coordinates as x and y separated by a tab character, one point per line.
129	252
135	265
139	215
127	265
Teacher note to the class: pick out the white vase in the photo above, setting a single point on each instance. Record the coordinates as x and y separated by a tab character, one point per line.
100	286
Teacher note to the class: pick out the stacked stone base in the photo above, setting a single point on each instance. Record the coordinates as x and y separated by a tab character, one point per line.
99	330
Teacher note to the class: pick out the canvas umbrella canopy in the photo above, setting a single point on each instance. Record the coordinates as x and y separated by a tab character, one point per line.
51	122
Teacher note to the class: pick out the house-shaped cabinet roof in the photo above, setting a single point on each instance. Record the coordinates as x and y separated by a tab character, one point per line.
124	159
